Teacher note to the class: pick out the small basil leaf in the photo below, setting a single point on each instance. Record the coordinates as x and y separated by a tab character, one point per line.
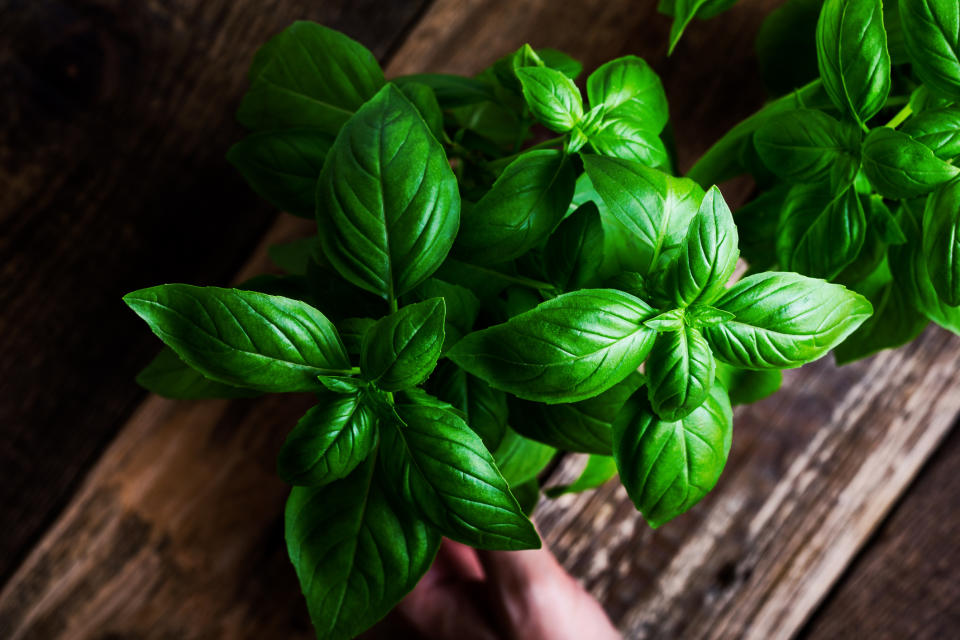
485	408
243	338
169	376
941	241
523	207
520	459
329	441
625	138
401	350
388	205
462	307
443	472
852	56
703	315
342	384
782	320
746	386
683	12
579	426
552	97
900	167
574	253
598	470
707	256
309	76
355	552
933	43
645	213
627	87
667	321
567	349
667	467
680	371
938	129
282	167
805	145
819	236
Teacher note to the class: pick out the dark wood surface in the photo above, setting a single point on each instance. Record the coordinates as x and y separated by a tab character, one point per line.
116	118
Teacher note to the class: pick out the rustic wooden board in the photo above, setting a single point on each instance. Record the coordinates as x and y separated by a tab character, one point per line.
114	121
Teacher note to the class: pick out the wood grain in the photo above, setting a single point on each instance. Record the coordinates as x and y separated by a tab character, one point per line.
114	121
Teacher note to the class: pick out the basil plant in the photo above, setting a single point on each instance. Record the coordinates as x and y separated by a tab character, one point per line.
505	269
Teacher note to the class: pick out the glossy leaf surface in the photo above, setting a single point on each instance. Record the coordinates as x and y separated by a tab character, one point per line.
680	372
900	167
401	350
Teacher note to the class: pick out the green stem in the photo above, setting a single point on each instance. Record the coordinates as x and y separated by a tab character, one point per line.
902	115
393	304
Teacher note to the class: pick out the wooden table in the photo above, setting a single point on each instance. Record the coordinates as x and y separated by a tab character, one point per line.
127	516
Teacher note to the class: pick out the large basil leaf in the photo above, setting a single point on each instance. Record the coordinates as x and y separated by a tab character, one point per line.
667	467
169	376
597	471
680	371
579	426
525	204
552	97
941	241
355	552
707	255
388	206
627	87
484	406
806	145
243	338
818	235
329	441
283	166
401	350
746	386
932	35
852	56
521	459
782	320
900	167
646	211
567	349
624	138
443	472
309	76
938	129
574	253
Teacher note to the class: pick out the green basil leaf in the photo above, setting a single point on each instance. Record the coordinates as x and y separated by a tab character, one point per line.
746	386
895	321
703	315
852	56
579	426
646	211
520	459
343	384
683	12
388	205
819	236
295	256
169	376
680	371
757	223
443	472
567	349
352	331
485	408
707	255
900	167
523	207
628	88
783	320
667	321
422	97
625	138
574	253
596	473
329	441
941	241
938	129
309	76
933	43
451	90
462	307
552	97
401	350
667	467
884	222
282	167
805	145
243	338
560	61
355	552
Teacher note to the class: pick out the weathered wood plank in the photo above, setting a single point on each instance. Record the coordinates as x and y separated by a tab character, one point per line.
114	122
904	583
812	472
